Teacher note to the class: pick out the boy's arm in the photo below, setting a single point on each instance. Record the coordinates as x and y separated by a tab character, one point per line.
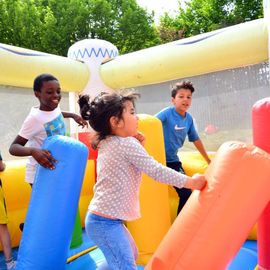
199	145
43	157
18	148
77	118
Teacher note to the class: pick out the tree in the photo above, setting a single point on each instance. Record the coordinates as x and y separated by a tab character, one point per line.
54	25
20	23
63	23
168	29
200	16
123	23
246	10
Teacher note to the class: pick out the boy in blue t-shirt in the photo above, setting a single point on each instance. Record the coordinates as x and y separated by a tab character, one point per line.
177	123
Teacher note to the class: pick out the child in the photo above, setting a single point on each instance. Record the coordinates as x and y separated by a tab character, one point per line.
121	161
177	123
43	121
4	233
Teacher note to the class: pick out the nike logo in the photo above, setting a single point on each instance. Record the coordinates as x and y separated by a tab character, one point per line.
178	128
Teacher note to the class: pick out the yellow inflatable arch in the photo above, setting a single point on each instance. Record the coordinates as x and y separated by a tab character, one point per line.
199	55
188	57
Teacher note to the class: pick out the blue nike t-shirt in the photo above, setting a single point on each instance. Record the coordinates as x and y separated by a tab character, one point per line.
175	129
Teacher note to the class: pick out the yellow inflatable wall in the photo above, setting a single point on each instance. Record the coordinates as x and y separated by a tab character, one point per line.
17	195
197	55
20	66
149	230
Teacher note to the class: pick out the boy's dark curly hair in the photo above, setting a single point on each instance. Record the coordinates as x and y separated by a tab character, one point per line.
182	85
38	82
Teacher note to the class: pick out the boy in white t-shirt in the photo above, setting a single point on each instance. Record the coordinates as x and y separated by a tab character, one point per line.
43	121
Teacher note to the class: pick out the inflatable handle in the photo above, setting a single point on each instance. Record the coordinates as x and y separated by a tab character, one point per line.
53	205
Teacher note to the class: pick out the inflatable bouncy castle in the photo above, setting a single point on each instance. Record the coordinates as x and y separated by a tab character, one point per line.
210	223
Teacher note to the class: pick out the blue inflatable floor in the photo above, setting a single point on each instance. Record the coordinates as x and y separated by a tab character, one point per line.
246	258
89	261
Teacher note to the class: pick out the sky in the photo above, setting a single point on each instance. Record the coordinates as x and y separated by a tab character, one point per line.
160	6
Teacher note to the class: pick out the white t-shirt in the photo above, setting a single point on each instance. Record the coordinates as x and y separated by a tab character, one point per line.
37	126
120	164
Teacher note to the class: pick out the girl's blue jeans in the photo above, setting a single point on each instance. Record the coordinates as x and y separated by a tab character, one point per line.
114	240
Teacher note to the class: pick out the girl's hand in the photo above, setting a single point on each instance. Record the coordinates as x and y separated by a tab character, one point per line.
44	158
197	181
140	137
78	119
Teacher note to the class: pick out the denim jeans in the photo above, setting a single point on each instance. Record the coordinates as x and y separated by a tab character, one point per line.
114	240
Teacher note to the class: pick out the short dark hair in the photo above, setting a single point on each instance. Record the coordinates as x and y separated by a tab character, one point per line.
38	82
104	106
182	85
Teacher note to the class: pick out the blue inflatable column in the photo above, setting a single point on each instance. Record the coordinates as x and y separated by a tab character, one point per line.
53	205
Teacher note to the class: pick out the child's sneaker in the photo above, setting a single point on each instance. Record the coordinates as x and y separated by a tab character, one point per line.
11	265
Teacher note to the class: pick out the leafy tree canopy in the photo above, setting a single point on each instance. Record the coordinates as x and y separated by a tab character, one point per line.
54	25
200	16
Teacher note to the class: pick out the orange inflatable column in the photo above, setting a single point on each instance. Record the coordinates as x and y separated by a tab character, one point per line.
216	221
261	138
